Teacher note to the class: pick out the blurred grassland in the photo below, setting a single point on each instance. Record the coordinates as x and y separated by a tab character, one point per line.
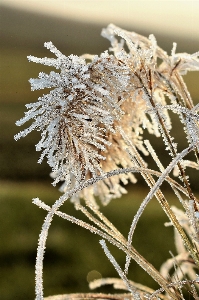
71	251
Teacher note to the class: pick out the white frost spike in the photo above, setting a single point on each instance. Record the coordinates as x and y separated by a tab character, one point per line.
53	49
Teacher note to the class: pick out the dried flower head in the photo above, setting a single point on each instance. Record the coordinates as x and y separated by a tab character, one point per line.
76	116
92	110
99	105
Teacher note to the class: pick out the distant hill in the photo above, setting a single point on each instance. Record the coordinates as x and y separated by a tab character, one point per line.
25	29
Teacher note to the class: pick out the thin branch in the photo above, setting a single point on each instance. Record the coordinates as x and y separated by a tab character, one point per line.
131	289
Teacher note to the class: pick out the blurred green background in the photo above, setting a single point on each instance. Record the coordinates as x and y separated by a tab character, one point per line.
71	251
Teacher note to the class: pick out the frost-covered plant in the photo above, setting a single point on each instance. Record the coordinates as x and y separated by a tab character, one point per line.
92	125
80	120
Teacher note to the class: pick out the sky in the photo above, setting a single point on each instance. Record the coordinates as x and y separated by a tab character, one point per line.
178	17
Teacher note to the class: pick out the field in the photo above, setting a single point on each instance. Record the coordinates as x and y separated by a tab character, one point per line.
72	252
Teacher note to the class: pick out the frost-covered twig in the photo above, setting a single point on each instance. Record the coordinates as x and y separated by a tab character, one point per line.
119	270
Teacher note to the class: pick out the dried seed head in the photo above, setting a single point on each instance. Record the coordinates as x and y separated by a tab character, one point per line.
96	109
78	113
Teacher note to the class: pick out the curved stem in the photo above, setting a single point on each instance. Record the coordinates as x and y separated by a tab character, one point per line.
121	244
154	273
